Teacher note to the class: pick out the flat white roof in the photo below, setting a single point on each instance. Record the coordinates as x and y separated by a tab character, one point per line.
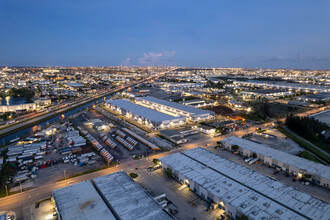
323	116
175	105
127	199
81	201
252	193
303	86
142	111
292	160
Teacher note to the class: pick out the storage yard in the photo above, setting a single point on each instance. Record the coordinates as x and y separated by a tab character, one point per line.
90	141
59	151
119	143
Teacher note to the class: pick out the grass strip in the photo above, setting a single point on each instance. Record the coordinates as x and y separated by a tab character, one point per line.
305	145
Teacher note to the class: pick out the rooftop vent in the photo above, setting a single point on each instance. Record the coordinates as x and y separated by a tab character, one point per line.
255	213
266	205
255	198
279	211
243	205
240	190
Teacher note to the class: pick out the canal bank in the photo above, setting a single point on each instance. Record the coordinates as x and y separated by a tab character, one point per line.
29	127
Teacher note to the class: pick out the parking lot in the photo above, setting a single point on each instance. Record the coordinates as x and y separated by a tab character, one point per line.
281	176
183	203
275	139
53	166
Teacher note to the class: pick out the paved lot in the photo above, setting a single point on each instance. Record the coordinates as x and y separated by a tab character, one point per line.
43	212
187	203
21	202
281	142
313	190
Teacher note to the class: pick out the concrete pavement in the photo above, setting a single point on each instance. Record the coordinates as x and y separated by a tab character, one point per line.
18	201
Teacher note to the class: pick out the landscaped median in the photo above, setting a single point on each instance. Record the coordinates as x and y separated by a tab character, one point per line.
305	145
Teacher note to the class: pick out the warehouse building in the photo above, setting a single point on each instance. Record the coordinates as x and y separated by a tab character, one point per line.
145	116
127	199
239	190
304	87
320	97
80	201
266	93
176	109
320	174
111	197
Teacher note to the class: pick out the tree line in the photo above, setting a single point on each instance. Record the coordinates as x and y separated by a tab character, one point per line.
307	127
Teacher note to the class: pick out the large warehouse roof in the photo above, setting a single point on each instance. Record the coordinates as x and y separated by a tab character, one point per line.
175	105
298	162
142	111
127	199
81	201
252	193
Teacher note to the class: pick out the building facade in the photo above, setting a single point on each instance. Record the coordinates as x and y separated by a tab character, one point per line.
320	174
145	116
176	109
238	190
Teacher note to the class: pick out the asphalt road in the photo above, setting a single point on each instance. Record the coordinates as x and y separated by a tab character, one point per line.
36	119
20	201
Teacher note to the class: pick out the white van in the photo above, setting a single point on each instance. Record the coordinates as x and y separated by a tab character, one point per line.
248	159
253	161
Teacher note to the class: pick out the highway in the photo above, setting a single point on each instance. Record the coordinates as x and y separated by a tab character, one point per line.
21	125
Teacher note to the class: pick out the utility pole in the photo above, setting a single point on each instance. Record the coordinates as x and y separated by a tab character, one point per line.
20	186
6	190
64	171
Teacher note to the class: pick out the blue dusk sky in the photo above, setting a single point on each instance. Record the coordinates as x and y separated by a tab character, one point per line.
207	33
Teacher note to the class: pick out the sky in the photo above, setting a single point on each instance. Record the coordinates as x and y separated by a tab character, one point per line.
205	33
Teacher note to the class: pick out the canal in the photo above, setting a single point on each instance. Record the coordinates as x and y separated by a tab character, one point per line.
30	130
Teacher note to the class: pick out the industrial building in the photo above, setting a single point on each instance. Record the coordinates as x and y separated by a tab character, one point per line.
98	124
239	190
323	116
176	109
80	201
320	174
145	116
17	108
283	85
115	196
38	104
320	97
127	199
266	93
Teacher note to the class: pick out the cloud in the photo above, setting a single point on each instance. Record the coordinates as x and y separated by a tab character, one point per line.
299	58
127	61
156	58
313	58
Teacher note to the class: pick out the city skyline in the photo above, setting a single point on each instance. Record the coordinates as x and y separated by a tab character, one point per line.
292	35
